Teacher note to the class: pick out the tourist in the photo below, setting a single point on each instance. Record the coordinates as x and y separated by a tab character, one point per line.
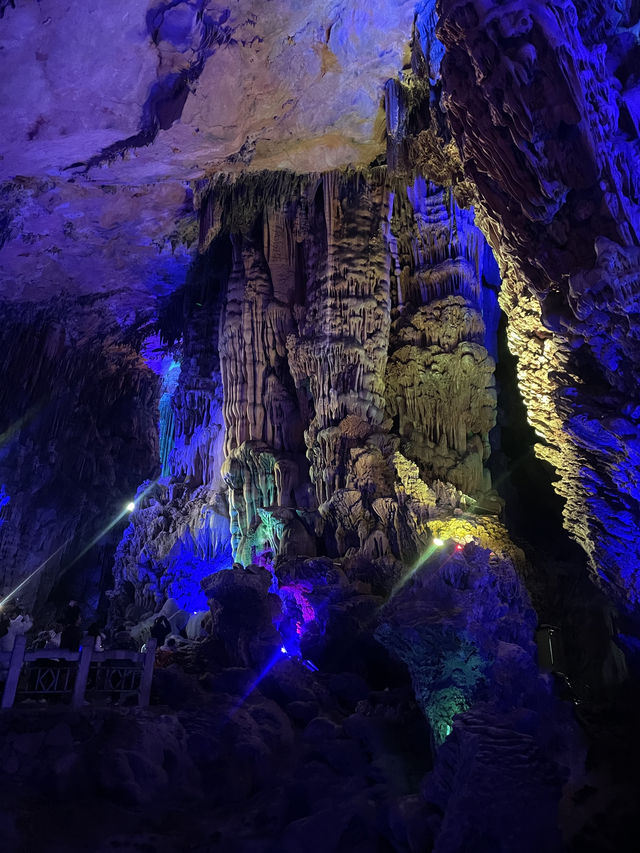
94	630
71	637
160	629
71	615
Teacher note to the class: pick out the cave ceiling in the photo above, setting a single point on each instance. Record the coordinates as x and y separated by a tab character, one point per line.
108	117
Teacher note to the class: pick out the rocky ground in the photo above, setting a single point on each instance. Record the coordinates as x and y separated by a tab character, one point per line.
248	749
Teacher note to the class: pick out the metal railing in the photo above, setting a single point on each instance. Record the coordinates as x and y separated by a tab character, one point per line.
79	677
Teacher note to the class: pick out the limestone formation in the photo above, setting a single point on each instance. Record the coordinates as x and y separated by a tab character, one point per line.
440	375
352	330
543	126
78	436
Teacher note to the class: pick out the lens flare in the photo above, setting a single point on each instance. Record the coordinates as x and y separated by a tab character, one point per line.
35	572
84	550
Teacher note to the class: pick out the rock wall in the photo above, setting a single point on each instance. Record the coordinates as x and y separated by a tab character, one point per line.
542	98
78	435
180	528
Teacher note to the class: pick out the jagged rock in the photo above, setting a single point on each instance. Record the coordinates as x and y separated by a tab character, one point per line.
541	121
335	248
457	622
490	761
243	612
439	375
78	409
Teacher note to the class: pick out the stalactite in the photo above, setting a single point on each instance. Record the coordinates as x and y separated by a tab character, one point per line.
319	271
339	351
439	377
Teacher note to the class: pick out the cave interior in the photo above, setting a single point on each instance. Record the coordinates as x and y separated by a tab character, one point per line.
321	338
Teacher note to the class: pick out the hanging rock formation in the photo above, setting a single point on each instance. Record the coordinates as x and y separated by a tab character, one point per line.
180	527
440	372
328	405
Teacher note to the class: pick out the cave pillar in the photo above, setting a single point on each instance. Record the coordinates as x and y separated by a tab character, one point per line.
339	353
260	406
440	375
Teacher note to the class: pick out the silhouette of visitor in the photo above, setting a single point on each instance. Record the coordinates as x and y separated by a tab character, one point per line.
160	629
71	637
94	630
71	615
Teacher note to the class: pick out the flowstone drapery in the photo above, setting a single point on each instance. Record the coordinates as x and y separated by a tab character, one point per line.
358	385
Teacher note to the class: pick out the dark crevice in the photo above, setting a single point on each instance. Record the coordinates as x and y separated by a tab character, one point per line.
534	510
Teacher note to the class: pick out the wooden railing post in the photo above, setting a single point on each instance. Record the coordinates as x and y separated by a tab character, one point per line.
147	673
81	676
13	676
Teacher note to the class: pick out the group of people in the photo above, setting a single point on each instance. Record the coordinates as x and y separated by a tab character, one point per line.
68	634
13	623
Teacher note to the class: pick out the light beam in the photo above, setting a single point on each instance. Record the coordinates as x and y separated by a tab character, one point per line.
94	541
36	571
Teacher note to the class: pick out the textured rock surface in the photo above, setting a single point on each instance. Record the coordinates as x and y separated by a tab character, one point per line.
440	374
334	300
178	88
127	245
250	749
463	625
542	102
78	435
180	528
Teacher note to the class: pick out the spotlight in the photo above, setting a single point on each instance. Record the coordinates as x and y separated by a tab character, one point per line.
459	547
283	650
130	506
438	542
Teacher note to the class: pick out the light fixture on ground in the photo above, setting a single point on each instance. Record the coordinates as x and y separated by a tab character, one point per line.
130	506
438	542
